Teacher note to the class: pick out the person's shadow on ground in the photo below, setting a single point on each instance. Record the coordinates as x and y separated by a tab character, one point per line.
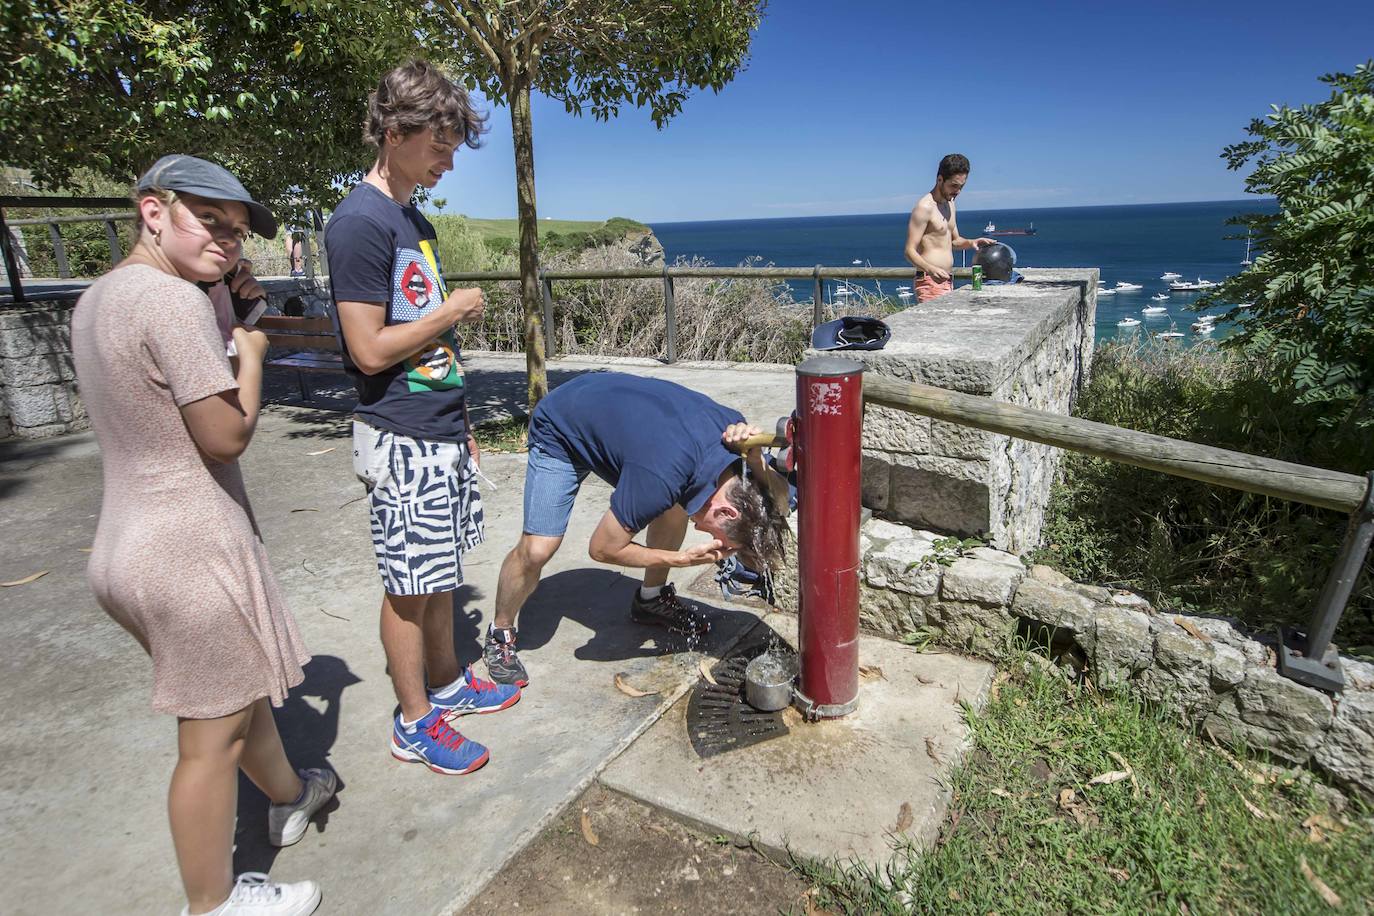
309	724
599	599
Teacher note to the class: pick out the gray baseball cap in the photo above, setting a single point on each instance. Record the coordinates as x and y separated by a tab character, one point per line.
190	175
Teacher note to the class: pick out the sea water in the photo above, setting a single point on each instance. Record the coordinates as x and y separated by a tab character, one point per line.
1134	243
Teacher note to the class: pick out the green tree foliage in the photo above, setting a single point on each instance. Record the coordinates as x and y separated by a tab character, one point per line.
1312	285
275	90
592	55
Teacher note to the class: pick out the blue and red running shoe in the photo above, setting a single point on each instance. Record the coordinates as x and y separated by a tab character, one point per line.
438	745
471	694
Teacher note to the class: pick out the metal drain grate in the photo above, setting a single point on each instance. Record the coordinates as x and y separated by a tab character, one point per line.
719	719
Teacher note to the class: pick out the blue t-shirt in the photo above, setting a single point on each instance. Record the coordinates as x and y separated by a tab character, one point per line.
381	251
656	442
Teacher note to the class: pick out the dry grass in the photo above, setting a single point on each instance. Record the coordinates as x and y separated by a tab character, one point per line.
725	320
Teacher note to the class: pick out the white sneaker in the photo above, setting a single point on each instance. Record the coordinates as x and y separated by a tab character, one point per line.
286	823
254	895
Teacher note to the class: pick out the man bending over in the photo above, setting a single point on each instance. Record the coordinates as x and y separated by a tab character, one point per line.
932	234
670	454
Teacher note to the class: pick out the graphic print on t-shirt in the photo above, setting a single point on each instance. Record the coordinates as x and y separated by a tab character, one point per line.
417	288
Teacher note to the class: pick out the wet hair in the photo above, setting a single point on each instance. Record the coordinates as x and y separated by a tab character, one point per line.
417	95
953	164
760	530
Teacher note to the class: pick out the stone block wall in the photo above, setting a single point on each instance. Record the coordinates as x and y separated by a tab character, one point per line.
1028	344
38	390
1218	677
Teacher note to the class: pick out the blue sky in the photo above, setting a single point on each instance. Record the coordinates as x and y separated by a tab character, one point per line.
1056	104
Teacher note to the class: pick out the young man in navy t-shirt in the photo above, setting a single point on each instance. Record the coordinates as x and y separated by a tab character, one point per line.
412	445
672	455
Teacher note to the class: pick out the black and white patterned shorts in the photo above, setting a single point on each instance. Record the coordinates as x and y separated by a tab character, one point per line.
424	505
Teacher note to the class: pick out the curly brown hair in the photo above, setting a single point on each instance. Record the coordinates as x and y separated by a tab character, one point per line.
760	529
417	95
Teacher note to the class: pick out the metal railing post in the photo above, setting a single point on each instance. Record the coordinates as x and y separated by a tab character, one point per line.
817	308
11	264
547	286
1310	658
59	250
112	237
670	314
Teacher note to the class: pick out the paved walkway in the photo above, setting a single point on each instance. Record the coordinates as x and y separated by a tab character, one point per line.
84	762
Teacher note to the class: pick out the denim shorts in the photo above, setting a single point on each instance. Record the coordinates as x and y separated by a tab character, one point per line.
551	485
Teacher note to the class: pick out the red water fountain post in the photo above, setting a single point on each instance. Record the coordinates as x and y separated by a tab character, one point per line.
829	425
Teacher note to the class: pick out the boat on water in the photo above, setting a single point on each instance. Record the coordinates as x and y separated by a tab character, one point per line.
1105	290
1204	327
1188	286
1170	275
1154	310
1124	286
1160	297
1128	322
1169	335
991	229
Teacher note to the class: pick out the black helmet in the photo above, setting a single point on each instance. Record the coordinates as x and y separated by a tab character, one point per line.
852	332
997	261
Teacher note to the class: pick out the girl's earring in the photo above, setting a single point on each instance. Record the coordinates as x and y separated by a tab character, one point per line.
157	237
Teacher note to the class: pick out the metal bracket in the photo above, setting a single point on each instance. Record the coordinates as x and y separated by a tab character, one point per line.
1309	657
813	712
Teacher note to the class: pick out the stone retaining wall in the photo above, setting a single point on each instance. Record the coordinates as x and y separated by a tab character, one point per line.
1028	344
1219	677
38	392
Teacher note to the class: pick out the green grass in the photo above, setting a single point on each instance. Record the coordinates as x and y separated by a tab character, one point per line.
506	435
509	228
1028	834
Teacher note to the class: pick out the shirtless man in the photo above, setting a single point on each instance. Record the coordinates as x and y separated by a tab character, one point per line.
932	234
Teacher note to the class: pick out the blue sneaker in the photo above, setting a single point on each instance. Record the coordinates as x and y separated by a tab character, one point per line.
436	744
471	694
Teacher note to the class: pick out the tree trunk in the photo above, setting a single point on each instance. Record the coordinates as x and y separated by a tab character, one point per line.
536	377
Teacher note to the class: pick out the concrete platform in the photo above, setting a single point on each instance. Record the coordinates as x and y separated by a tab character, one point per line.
84	762
828	790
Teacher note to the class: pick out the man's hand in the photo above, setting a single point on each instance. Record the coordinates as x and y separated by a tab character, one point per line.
701	554
736	433
249	343
474	450
243	284
466	305
983	242
938	274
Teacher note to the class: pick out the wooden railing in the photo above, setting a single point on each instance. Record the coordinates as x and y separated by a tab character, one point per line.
1307	657
818	275
108	219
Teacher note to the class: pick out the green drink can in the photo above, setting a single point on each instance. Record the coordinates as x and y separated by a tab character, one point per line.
977	276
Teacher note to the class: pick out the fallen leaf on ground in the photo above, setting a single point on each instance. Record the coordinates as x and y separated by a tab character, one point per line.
997	682
1106	779
1318	826
588	833
1192	629
85	549
323	451
1119	874
705	667
1200	800
1254	809
955	895
306	510
904	818
1135	786
26	580
1318	885
1067	798
933	751
871	671
1000	793
625	688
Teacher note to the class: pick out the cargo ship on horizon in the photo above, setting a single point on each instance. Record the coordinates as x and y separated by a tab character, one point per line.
991	229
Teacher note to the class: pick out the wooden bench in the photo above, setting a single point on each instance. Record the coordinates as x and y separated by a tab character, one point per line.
313	338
